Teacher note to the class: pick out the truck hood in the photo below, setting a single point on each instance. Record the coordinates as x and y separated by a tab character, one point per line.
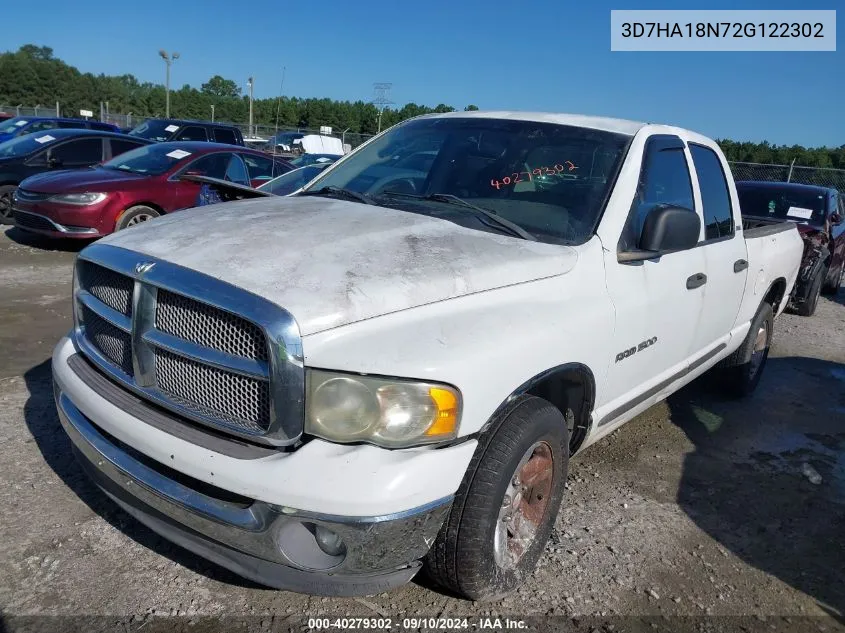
332	262
72	180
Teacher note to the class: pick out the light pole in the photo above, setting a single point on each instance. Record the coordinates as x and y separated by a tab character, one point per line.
168	60
212	113
249	82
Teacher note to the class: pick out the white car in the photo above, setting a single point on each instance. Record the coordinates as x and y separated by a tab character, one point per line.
392	367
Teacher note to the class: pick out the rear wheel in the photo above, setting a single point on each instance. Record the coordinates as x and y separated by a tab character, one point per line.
741	371
506	506
134	216
6	194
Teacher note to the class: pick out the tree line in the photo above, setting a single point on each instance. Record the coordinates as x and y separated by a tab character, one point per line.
32	75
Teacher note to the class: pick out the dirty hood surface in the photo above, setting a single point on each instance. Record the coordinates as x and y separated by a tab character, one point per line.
332	262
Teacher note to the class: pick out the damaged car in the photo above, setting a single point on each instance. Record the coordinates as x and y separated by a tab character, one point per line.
819	213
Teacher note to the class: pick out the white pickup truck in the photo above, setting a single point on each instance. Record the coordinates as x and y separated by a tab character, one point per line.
392	367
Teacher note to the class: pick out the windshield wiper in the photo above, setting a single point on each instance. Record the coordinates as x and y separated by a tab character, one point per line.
448	198
339	192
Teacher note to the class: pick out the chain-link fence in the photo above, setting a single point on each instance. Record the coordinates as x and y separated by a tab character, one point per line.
823	176
129	120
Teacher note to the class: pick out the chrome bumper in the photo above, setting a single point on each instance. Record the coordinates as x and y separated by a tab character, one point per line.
268	544
59	228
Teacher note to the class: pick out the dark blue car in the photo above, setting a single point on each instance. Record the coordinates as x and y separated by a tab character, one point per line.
20	125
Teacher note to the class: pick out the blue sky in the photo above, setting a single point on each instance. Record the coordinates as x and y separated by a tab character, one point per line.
550	55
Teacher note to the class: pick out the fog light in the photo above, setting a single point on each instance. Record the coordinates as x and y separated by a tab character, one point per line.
328	541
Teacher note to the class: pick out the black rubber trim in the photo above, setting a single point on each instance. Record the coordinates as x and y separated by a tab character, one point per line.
161	419
256	569
661	386
740	265
696	281
769	229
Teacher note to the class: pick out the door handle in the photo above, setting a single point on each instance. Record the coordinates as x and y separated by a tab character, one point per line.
695	281
740	265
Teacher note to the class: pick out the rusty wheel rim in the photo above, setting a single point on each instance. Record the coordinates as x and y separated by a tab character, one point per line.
524	505
760	347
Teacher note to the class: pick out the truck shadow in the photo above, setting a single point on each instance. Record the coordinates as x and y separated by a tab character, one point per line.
748	482
43	423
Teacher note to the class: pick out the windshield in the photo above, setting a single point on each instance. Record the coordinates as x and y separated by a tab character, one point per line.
311	159
551	180
285	138
291	181
783	203
155	130
21	146
13	125
149	159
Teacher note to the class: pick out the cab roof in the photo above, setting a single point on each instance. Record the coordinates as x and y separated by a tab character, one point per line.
607	124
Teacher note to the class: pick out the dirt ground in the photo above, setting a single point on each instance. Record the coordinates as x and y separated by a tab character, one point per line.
700	507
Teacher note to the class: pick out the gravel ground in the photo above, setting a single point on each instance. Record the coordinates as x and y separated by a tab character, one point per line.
699	507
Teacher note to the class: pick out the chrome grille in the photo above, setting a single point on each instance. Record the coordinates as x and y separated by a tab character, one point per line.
113	343
113	289
31	196
208	326
208	391
211	352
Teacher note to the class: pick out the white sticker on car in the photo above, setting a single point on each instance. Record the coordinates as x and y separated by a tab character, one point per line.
171	128
20	123
178	154
45	139
800	212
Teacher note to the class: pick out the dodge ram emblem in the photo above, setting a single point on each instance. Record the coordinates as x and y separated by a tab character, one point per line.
142	267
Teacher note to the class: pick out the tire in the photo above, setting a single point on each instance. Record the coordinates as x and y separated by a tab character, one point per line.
6	193
464	558
134	216
833	288
741	370
808	307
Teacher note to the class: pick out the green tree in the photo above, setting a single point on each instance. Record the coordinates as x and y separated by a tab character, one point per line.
217	86
471	108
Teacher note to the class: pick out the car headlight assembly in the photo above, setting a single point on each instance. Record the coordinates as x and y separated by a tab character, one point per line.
388	412
82	199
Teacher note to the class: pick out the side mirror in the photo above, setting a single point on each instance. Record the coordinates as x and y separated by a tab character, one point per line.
665	229
835	219
53	162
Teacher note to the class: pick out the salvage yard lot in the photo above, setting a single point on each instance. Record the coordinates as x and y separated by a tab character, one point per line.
701	505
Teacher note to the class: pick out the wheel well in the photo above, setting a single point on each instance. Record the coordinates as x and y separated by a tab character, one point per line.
571	388
775	294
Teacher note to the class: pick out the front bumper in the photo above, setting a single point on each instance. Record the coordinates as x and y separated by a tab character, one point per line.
41	224
268	544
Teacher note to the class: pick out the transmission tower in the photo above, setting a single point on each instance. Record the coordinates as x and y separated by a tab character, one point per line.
381	98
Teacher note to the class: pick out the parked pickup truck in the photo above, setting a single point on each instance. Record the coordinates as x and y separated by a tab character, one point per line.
393	366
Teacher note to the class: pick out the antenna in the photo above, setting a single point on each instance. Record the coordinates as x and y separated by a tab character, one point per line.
381	98
279	101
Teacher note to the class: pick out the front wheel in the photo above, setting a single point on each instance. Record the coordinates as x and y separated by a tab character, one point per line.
506	506
134	216
6	194
833	287
808	307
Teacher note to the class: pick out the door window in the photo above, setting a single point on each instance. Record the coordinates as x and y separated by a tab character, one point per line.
191	133
664	179
118	147
236	171
717	212
260	168
223	135
211	165
84	151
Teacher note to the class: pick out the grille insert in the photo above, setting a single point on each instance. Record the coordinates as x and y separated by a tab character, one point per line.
209	326
214	393
32	221
112	342
113	289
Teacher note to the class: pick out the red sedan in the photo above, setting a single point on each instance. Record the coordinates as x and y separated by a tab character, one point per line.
133	187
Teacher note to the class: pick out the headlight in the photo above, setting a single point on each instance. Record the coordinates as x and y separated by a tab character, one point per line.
389	412
82	199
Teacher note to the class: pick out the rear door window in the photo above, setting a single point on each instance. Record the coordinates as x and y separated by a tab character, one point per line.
717	212
191	133
236	171
78	152
211	165
119	146
70	125
225	135
260	168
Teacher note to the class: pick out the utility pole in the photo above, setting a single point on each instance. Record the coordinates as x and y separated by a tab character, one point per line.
168	60
212	113
249	82
381	98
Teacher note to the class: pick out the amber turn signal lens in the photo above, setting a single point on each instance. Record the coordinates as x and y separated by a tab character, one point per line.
446	416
